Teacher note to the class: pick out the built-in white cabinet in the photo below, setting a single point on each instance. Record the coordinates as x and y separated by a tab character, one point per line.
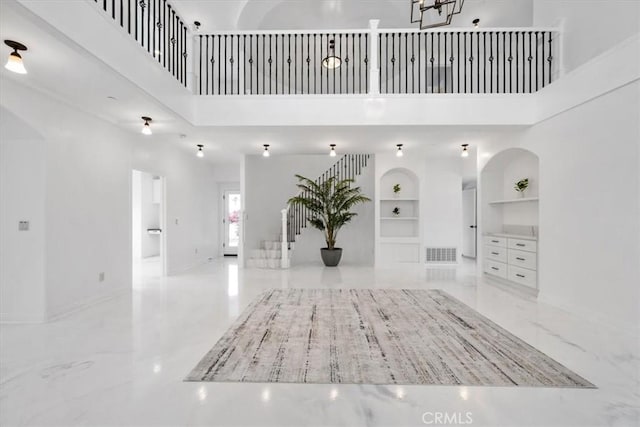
513	258
510	218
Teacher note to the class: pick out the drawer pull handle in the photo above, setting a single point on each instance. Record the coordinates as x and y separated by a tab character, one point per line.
520	275
495	268
519	259
495	241
520	244
495	253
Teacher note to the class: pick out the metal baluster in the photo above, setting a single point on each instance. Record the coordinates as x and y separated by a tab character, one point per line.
200	68
432	59
550	58
445	62
537	87
530	58
334	68
406	62
295	63
366	62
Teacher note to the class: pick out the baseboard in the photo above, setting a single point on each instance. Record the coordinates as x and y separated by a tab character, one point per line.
187	268
76	307
7	319
632	330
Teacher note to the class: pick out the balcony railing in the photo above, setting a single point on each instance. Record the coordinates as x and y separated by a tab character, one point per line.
514	61
282	63
156	26
487	61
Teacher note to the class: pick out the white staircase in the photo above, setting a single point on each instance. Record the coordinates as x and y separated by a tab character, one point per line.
268	256
294	219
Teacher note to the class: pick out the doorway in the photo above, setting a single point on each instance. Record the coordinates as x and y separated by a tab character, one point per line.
147	225
469	226
231	207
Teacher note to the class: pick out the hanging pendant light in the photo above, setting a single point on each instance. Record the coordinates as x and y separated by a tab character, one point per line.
146	128
399	153
465	152
434	13
332	152
14	63
265	153
200	153
332	61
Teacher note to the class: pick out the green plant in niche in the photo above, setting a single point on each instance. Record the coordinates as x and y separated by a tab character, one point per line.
521	185
328	204
396	211
396	188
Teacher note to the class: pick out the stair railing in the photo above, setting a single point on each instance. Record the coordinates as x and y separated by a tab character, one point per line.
295	218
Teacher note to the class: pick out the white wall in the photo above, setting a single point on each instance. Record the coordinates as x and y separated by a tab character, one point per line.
270	182
590	26
442	214
22	174
86	204
150	218
589	209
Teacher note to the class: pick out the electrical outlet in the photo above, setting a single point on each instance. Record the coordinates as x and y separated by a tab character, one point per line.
23	225
176	221
196	250
101	277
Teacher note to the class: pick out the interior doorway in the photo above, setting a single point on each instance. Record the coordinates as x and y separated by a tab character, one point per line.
469	226
232	207
147	225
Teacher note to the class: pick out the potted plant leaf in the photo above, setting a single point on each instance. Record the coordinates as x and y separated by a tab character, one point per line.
521	186
396	190
329	205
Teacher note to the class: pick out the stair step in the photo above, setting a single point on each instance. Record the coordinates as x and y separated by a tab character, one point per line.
263	263
265	254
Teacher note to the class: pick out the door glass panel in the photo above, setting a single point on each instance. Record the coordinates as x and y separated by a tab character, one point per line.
233	219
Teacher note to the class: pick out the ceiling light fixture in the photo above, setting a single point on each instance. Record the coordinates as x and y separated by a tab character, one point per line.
476	23
200	153
265	153
332	152
15	60
146	128
434	13
399	153
332	61
465	152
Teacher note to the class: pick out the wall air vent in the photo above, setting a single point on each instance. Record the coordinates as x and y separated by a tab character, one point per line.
441	255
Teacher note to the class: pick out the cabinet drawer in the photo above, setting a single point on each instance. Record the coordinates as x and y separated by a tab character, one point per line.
495	268
522	245
522	275
495	241
495	253
522	258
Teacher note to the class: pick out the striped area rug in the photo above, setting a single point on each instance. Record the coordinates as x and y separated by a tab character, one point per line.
375	336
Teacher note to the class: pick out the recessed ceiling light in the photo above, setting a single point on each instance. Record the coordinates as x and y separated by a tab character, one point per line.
14	63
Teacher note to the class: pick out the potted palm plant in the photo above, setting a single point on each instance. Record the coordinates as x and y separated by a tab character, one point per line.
329	205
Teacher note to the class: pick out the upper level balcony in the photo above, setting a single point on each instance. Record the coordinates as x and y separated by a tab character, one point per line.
366	76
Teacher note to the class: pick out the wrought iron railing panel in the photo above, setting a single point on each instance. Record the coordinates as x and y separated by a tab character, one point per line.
281	63
465	61
156	26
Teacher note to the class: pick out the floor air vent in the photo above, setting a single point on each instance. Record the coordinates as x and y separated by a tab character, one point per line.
442	255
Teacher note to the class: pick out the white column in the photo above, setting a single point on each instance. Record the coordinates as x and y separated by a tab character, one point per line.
284	262
374	73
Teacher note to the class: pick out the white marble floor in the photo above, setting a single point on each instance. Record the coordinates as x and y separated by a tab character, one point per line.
122	362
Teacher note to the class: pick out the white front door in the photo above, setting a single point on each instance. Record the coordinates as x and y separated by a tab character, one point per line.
469	223
231	222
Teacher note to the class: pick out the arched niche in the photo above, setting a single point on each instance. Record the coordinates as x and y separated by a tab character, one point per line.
503	208
407	179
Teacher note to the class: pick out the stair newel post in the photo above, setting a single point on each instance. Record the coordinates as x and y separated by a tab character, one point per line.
284	261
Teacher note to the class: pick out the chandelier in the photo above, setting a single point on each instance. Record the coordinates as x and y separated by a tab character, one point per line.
434	13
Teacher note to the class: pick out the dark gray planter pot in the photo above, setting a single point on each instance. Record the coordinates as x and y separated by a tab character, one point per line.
331	257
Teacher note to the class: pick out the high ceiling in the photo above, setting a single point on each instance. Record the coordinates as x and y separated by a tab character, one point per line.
338	14
92	86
